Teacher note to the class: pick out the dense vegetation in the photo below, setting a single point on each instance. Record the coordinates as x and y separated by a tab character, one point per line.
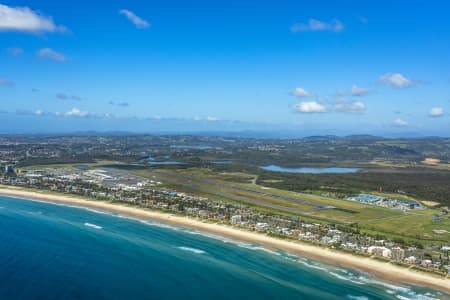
426	185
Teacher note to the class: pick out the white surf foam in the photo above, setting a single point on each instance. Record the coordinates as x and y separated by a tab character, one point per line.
357	297
190	249
346	278
93	226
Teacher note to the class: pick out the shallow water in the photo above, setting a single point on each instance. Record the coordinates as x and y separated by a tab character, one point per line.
334	170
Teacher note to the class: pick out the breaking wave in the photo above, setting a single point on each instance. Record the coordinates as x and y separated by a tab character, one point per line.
193	250
93	226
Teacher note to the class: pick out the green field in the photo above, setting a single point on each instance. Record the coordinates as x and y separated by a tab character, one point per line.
414	225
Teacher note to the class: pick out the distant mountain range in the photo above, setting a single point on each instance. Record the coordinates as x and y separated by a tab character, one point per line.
248	134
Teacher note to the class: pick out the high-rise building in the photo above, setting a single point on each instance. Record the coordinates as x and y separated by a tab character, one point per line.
398	254
9	169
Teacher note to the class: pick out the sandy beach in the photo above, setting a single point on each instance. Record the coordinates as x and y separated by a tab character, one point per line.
385	271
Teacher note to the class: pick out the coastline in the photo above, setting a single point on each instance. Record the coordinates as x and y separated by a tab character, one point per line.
384	270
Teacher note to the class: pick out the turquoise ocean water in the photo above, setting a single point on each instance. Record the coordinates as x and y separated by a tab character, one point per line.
52	251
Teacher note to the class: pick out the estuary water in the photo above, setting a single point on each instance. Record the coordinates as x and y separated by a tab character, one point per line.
305	170
50	251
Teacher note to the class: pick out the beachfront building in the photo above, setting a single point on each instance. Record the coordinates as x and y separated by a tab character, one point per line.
236	219
380	251
398	254
261	226
411	260
8	169
426	263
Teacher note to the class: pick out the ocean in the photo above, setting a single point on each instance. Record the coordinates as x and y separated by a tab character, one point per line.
50	251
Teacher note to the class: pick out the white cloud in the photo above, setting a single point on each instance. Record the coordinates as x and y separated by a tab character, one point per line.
24	19
208	119
15	51
212	119
72	113
396	80
39	112
75	112
137	21
300	92
316	25
106	116
358	91
47	53
338	105
309	107
436	112
399	123
356	106
355	91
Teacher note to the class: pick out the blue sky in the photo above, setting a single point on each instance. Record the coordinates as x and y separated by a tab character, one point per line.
312	67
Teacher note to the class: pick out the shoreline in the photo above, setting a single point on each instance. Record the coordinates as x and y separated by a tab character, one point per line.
383	270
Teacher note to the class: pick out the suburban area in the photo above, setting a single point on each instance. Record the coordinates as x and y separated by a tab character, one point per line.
204	178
